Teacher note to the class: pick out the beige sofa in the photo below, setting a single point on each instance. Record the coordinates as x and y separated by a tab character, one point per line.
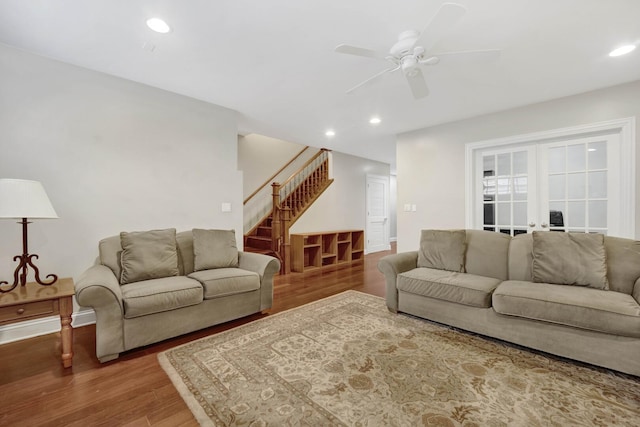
149	286
523	289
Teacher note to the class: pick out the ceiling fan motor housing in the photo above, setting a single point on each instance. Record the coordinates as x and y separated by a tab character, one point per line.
404	45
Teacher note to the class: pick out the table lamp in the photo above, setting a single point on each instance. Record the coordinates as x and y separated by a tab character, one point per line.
23	199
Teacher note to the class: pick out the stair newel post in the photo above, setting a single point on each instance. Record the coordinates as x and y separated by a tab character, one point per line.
285	253
275	219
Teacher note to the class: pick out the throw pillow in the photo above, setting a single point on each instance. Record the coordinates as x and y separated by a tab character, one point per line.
570	259
148	255
214	249
442	249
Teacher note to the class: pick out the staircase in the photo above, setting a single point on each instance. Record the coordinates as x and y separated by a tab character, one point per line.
289	201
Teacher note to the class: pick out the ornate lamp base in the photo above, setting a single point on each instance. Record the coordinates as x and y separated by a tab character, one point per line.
26	260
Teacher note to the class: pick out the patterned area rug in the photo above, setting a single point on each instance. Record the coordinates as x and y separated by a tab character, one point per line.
347	361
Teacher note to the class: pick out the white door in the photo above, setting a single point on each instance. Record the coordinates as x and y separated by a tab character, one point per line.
377	226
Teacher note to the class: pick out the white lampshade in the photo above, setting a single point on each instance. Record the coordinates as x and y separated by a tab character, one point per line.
21	198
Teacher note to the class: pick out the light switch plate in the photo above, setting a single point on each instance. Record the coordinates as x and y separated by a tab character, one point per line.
225	207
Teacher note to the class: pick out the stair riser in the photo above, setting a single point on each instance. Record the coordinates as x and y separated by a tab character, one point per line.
258	243
264	231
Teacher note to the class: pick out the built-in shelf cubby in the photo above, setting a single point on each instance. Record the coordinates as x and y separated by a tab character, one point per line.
316	250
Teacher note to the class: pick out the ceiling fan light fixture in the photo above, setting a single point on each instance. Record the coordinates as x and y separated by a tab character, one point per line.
330	133
622	50
410	65
158	25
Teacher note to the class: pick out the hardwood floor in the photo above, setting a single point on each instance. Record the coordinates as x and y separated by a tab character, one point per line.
134	390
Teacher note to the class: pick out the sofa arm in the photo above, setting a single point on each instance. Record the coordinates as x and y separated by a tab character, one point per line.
99	289
636	291
391	266
266	266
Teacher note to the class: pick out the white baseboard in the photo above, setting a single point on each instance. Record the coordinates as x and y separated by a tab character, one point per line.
44	326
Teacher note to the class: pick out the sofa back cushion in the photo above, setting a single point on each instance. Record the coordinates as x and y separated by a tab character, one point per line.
184	240
521	258
570	259
148	255
487	254
442	249
110	251
623	263
622	256
214	249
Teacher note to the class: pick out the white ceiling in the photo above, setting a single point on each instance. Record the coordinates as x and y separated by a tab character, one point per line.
273	61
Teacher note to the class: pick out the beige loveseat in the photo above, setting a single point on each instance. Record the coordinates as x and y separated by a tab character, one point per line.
572	295
149	286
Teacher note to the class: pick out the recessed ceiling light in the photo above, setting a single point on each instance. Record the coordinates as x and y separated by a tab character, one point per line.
622	50
375	120
158	25
330	133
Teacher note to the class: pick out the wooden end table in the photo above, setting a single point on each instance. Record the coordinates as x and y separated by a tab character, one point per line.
34	301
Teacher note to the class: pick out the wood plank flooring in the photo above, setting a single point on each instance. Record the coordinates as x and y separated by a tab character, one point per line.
134	390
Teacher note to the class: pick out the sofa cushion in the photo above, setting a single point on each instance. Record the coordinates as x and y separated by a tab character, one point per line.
521	257
594	309
184	243
442	249
148	255
214	249
570	259
157	295
462	288
487	253
222	282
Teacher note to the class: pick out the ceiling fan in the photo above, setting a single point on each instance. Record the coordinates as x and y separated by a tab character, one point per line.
413	50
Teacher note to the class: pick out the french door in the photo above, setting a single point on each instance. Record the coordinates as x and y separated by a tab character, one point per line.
567	185
581	186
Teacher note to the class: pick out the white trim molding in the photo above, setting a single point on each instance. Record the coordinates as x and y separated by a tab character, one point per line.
625	127
43	326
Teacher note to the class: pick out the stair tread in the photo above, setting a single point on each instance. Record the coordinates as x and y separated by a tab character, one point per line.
260	238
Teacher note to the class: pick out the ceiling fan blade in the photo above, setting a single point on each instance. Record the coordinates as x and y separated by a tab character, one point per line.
358	51
417	84
445	18
484	55
373	79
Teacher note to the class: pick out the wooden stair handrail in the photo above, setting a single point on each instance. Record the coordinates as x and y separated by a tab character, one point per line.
308	162
286	209
268	181
301	193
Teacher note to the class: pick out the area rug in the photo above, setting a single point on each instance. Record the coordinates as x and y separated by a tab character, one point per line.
347	361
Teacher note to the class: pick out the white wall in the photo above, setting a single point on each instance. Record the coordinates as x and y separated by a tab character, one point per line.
430	161
393	206
113	155
343	205
259	157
